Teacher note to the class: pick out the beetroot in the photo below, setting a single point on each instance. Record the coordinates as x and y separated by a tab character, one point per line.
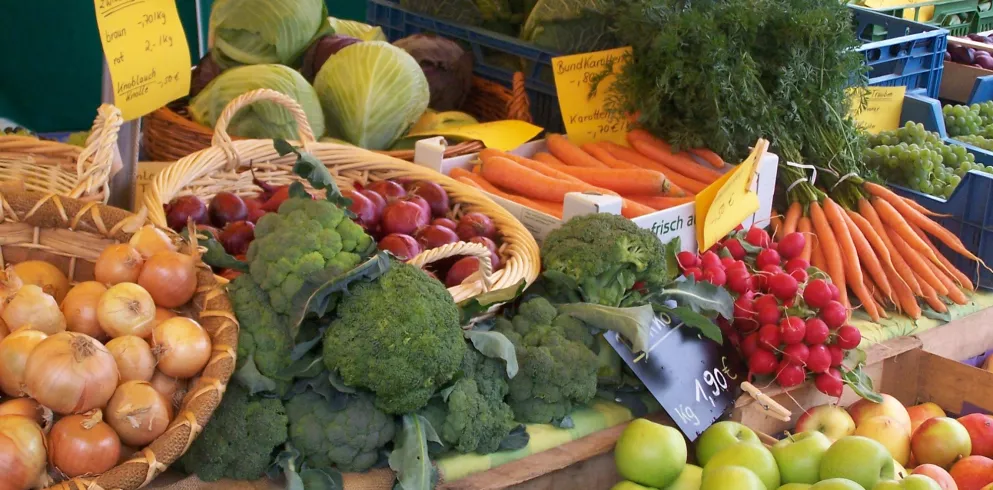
237	236
434	194
475	224
184	208
404	247
461	270
226	208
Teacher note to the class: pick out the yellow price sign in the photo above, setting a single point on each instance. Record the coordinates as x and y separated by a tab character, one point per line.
502	135
146	51
727	202
883	108
586	117
146	173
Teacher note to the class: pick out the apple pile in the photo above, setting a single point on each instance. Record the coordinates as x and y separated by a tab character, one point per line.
788	322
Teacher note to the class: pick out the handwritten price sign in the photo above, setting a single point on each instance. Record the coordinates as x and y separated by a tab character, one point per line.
585	116
883	108
727	202
146	51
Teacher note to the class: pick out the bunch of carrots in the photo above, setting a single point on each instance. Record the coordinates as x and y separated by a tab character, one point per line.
648	176
879	246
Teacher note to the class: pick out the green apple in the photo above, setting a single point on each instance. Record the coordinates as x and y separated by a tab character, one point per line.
919	482
836	484
689	479
859	459
899	471
755	457
720	436
629	485
799	456
650	454
888	485
731	478
794	486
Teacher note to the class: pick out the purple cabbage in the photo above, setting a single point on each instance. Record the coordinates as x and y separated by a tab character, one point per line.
207	69
446	65
322	49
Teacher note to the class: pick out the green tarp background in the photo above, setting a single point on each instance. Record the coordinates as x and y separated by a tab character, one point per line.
52	66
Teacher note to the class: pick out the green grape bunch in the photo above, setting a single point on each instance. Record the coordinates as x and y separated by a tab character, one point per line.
962	119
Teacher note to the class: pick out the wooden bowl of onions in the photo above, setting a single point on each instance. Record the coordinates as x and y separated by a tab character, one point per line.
116	344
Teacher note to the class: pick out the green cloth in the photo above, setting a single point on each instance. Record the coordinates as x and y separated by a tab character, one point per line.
899	325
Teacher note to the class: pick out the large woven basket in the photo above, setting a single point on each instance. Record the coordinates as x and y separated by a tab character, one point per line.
62	169
223	167
70	234
170	134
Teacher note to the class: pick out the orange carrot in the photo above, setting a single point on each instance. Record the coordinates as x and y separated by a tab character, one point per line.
850	256
708	156
510	175
923	210
638	181
900	266
828	245
629	155
569	153
599	152
678	163
868	258
535	165
776	225
954	293
931	297
898	223
905	299
817	257
960	277
804	228
872	236
792	218
917	263
631	209
545	157
660	202
552	208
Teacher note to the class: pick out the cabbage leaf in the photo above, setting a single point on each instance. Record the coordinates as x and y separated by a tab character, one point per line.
356	29
252	32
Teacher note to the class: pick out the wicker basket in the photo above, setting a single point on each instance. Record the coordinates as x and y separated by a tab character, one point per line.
170	134
70	234
223	166
62	169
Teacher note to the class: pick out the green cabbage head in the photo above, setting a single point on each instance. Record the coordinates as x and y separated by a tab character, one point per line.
262	120
372	93
356	29
254	32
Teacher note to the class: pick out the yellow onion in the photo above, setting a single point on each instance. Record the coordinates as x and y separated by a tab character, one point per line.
14	352
83	445
181	346
138	413
126	309
150	240
28	408
71	373
10	282
31	307
23	453
44	275
80	309
134	358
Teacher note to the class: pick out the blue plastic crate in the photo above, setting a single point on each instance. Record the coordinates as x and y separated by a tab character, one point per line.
911	55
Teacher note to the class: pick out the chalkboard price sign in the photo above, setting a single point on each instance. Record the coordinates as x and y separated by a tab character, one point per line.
694	379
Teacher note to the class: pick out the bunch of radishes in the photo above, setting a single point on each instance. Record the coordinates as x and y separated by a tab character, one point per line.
409	217
788	322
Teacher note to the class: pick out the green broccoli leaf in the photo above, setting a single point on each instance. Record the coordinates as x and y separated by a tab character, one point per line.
216	256
301	478
310	168
479	304
338	383
701	297
307	367
497	346
409	458
253	380
671	264
633	323
517	439
564	422
315	297
860	383
690	318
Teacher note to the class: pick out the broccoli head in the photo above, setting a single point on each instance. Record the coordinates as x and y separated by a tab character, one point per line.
598	258
346	433
264	344
305	237
398	337
239	439
557	370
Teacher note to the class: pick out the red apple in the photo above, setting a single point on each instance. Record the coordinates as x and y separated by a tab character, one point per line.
920	413
941	441
937	474
973	473
980	427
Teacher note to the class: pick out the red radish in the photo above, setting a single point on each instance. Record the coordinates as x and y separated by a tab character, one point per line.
790	375
791	246
766	301
727	262
715	276
758	237
484	241
797	263
830	383
783	286
475	224
837	355
694	272
800	275
750	344
735	338
378	201
734	247
433	236
767	313
762	362
818	358
390	190
365	211
834	314
796	354
817	294
461	270
792	330
420	201
771	270
404	247
849	337
447	223
759	281
182	209
744	307
817	331
709	260
769	337
738	280
434	194
687	259
237	236
282	194
255	211
835	293
403	217
739	264
226	208
767	257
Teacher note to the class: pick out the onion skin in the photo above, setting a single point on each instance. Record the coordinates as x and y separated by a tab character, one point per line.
10	282
150	240
126	309
83	445
80	309
170	277
32	308
14	353
4	330
71	373
138	413
118	263
23	453
134	358
25	407
44	275
181	346
173	389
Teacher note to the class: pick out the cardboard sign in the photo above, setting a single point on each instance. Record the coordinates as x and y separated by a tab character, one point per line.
882	113
146	51
726	203
695	379
586	118
502	135
147	171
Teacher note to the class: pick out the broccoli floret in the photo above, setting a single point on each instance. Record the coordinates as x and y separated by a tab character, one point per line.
556	372
598	258
303	238
239	439
263	338
398	337
346	434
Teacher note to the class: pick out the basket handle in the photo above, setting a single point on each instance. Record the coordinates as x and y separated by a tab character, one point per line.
100	159
520	106
459	248
222	139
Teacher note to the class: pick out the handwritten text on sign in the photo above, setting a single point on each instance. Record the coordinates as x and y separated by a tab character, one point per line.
586	118
883	108
146	51
727	202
